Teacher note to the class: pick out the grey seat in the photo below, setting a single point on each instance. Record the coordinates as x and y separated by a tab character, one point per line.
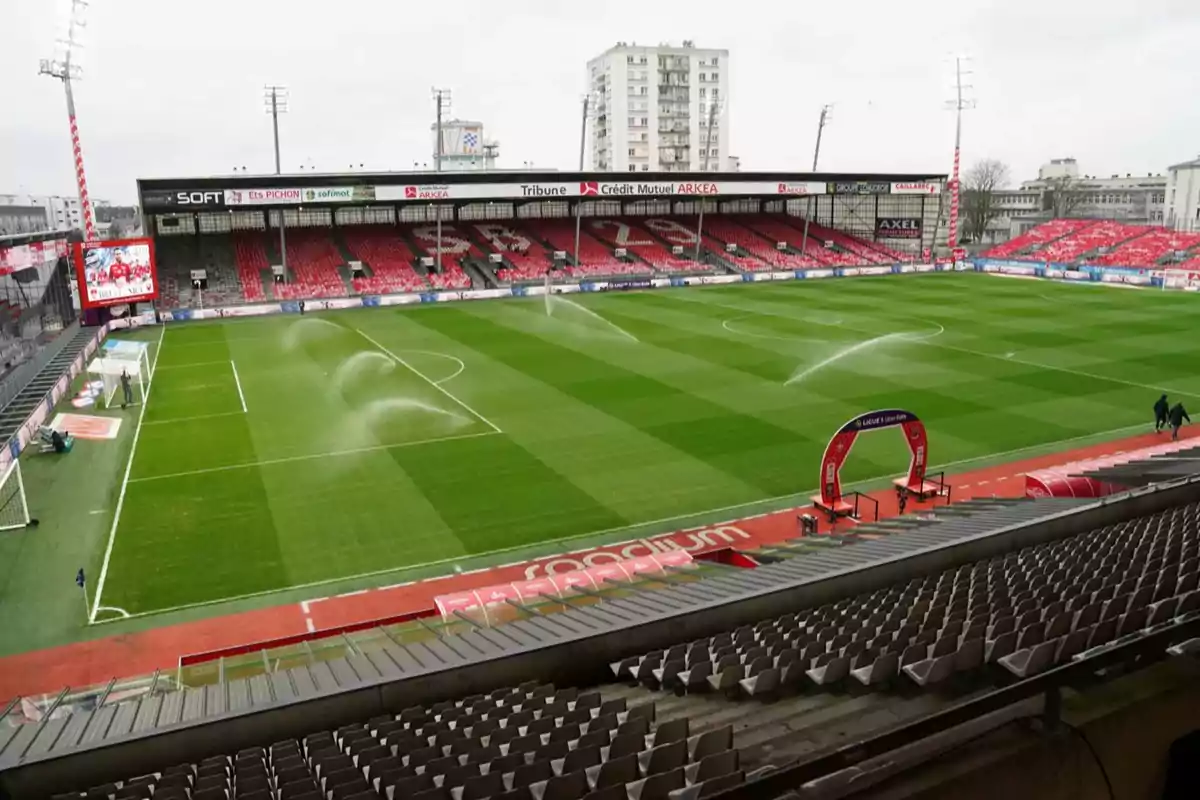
883	668
1030	661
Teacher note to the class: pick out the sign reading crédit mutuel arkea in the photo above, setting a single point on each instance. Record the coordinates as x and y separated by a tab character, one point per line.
191	200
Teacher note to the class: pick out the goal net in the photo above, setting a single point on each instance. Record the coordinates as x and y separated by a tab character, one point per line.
1187	280
122	359
14	511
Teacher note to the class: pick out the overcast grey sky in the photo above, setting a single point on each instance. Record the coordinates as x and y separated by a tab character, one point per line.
174	88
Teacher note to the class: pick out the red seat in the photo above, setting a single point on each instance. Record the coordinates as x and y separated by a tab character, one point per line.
389	258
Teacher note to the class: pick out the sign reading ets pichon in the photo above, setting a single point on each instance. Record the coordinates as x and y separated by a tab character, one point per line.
196	199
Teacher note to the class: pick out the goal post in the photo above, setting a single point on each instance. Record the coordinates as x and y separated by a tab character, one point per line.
1185	280
14	510
130	359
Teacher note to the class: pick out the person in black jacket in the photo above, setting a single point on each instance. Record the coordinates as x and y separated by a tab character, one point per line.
1177	415
1160	413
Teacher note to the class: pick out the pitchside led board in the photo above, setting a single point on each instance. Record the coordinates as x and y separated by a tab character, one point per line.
115	272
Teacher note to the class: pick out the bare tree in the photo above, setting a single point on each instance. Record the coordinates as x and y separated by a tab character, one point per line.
1062	196
980	185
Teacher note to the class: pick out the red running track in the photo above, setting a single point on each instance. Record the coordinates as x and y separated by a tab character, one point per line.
99	660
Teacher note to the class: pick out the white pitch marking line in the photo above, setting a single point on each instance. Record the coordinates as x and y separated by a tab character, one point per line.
924	339
191	364
124	614
289	459
137	432
647	524
440	381
193	419
238	382
308	623
434	384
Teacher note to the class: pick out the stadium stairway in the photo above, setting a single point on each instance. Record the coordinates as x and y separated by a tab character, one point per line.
26	400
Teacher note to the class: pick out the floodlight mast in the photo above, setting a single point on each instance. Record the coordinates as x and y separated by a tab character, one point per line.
959	104
713	110
588	110
442	98
64	70
822	121
275	102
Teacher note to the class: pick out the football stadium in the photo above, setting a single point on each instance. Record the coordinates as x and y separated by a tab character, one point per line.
667	484
555	489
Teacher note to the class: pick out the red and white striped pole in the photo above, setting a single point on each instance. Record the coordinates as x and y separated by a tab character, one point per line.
953	241
85	201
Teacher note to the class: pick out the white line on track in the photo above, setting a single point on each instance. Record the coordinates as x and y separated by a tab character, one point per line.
137	431
432	383
800	497
310	456
238	382
193	419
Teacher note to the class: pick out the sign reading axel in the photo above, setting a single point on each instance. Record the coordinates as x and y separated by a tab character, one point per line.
898	227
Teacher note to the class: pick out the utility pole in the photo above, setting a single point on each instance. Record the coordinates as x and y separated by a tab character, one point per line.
714	108
64	67
958	105
276	101
822	121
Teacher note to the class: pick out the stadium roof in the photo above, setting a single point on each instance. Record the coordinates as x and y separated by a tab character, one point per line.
231	191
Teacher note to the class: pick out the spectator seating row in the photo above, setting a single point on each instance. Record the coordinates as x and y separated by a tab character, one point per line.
1026	611
1075	245
387	256
1038	236
253	264
313	260
531	742
1148	249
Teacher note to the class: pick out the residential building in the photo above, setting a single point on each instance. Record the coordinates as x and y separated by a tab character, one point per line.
18	212
1183	197
653	105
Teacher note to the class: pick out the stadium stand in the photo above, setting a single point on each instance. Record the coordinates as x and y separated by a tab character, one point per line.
1010	585
179	255
595	258
1087	240
1038	236
313	260
253	264
388	258
639	242
525	258
1148	250
757	236
846	250
455	248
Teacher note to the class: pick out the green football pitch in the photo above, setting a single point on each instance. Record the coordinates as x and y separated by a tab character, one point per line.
283	452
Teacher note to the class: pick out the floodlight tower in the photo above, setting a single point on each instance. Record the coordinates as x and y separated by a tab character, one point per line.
64	67
714	110
275	102
442	98
589	102
822	121
959	104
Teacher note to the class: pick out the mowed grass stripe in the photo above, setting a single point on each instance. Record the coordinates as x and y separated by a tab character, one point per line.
619	466
743	446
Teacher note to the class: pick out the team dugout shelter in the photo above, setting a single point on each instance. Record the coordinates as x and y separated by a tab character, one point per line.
246	238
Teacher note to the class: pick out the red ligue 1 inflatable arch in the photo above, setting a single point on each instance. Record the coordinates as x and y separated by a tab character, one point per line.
831	500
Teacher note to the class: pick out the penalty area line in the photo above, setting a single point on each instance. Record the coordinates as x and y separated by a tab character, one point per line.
137	432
